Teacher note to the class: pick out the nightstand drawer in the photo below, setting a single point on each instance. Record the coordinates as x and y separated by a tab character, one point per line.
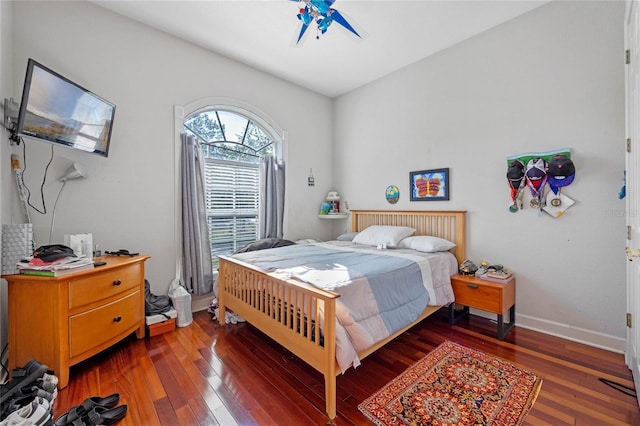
477	295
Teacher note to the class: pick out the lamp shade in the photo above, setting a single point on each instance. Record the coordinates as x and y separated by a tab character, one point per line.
75	171
333	196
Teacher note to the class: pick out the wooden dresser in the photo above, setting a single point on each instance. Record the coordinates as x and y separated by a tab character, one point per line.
61	321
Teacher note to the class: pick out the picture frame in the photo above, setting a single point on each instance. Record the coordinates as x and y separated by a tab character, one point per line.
429	185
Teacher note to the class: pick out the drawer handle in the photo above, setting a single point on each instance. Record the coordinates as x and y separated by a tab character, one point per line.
472	285
117	318
117	282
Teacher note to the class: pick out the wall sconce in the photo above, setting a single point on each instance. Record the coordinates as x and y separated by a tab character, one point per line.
75	171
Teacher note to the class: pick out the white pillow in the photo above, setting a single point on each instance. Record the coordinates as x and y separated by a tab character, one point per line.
380	234
426	243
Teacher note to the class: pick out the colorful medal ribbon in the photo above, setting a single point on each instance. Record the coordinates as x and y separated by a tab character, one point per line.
561	172
536	178
515	177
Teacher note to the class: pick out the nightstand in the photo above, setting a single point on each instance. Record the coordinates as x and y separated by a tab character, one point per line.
485	295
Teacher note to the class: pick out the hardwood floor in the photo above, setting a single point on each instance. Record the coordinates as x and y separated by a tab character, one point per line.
205	374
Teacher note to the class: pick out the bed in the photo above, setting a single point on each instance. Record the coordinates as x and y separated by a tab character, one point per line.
302	317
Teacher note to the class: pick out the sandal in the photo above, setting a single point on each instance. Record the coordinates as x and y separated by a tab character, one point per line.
21	377
72	417
23	396
106	402
78	414
105	416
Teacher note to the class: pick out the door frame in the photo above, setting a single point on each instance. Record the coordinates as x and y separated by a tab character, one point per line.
632	160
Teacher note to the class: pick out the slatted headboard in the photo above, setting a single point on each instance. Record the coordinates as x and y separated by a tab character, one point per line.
449	225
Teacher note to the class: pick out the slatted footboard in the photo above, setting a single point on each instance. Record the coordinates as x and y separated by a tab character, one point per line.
301	317
298	316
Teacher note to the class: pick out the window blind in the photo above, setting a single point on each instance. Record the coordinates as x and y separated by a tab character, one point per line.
232	203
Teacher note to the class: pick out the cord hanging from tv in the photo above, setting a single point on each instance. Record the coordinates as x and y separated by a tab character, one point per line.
54	109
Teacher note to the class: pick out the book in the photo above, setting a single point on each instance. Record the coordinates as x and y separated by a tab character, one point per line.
497	280
55	272
502	274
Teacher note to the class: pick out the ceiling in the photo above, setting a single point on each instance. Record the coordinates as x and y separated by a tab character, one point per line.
263	34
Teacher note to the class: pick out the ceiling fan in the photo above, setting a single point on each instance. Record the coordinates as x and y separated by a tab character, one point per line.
320	12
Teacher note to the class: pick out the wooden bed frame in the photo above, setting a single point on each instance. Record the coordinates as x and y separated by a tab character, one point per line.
280	307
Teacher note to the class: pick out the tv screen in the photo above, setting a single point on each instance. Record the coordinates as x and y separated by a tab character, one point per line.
56	110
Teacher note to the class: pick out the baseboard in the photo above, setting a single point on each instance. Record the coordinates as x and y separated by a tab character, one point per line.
201	303
565	331
575	334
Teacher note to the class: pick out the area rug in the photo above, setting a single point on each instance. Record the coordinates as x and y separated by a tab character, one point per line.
455	385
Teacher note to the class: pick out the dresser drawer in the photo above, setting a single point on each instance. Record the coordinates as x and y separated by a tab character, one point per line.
98	287
93	327
478	295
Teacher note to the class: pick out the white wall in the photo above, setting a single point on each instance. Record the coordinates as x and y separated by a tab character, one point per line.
553	78
5	158
128	199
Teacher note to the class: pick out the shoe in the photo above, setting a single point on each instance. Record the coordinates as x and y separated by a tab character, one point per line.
49	383
105	416
96	401
38	412
77	415
47	387
21	377
22	397
50	377
72	417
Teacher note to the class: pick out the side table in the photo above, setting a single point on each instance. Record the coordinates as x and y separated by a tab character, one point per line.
490	296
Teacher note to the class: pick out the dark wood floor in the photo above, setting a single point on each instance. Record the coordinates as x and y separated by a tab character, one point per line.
205	374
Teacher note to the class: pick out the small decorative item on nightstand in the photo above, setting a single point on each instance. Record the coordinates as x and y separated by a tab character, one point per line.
497	273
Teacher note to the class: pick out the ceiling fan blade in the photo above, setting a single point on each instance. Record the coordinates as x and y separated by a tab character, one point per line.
340	20
302	30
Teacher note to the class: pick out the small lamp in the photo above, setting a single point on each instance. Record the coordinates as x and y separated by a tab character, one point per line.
334	200
75	171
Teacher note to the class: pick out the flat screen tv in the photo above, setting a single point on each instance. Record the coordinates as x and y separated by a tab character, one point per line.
54	109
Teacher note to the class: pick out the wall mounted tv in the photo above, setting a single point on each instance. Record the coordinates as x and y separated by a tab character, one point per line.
54	109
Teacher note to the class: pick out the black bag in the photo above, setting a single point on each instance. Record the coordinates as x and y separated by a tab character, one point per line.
154	305
53	252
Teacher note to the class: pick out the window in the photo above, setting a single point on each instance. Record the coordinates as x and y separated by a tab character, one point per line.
232	145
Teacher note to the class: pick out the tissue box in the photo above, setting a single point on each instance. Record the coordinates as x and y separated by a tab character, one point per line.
158	324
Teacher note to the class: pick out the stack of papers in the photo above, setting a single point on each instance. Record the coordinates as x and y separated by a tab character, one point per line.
62	266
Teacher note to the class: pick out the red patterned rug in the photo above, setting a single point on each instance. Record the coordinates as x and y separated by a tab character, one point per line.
455	385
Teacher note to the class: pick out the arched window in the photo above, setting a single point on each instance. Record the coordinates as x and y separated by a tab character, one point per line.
227	135
233	141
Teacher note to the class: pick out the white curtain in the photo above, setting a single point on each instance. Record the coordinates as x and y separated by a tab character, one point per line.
272	197
197	273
